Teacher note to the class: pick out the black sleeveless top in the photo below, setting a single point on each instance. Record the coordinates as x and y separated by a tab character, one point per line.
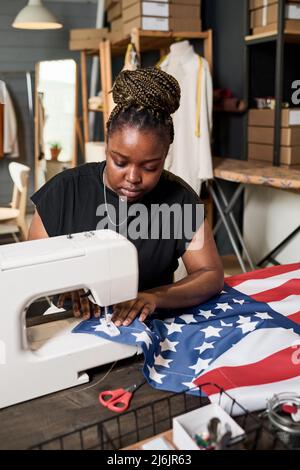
74	201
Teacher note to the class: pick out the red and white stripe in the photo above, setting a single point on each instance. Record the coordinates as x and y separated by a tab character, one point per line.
266	361
278	286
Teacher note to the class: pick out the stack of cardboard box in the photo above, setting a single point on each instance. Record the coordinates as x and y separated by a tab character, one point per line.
264	16
162	15
86	38
261	135
114	15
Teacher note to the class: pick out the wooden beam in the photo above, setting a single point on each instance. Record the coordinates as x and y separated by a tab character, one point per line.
84	93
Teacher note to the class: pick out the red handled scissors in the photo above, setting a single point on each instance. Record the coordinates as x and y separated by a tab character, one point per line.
118	400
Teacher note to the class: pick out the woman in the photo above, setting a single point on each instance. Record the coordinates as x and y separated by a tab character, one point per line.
139	133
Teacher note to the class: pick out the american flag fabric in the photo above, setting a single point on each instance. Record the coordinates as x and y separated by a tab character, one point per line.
246	339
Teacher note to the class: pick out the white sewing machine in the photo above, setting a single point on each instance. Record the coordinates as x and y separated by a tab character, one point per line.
46	358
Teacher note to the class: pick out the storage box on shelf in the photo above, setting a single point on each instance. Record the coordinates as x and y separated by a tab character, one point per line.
261	135
114	15
88	38
174	15
264	16
114	12
116	26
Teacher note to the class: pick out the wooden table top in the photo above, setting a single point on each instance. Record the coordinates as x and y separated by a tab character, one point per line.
257	173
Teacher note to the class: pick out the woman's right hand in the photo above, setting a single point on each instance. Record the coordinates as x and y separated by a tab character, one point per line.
81	305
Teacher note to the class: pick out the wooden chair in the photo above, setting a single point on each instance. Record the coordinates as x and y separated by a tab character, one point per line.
13	218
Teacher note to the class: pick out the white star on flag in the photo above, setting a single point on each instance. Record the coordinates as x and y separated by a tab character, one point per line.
109	329
243	320
223	292
143	338
99	327
161	361
246	327
206	313
200	365
211	331
241	302
167	345
223	307
188	318
155	375
205	346
226	324
263	315
189	385
174	328
170	320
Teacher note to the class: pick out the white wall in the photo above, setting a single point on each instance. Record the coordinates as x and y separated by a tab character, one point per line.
269	216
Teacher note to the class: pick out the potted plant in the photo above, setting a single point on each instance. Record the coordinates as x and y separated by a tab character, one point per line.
55	149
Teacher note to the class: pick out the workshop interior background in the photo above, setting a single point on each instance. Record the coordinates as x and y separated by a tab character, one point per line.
20	52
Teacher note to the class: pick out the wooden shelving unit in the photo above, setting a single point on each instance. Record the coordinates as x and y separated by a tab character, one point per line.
115	45
285	32
289	36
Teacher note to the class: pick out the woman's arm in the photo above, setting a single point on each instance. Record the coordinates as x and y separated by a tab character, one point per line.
205	274
37	229
205	278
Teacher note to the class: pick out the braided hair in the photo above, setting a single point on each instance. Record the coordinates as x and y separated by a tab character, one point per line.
145	99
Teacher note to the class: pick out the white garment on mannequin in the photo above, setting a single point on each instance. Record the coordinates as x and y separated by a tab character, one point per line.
190	156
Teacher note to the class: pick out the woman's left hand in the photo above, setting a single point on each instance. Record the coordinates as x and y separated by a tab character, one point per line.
125	312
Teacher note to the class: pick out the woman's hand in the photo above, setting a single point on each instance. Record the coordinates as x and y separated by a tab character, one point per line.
125	312
81	305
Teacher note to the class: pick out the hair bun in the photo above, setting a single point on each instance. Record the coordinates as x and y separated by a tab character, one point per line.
150	88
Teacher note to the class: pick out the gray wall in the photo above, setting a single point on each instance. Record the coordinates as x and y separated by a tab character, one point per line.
20	50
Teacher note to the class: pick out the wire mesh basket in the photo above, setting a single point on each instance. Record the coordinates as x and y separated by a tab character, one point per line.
126	429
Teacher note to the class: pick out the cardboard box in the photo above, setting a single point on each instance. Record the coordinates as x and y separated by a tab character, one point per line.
195	422
86	38
117	25
147	23
290	136
264	16
162	24
161	9
111	3
254	4
290	27
288	155
269	14
146	9
269	28
114	12
187	2
185	11
128	3
266	117
88	33
185	24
